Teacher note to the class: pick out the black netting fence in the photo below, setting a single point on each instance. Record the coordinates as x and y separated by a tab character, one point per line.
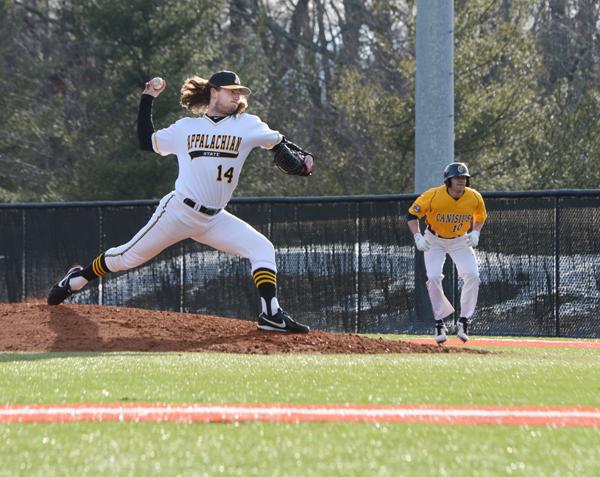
345	263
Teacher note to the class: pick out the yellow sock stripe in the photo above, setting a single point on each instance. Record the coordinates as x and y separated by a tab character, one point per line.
264	280
97	267
94	268
264	273
258	280
102	269
265	277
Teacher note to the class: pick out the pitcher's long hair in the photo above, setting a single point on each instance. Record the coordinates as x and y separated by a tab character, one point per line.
195	96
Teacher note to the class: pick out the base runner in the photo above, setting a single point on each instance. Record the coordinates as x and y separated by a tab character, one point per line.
454	215
211	149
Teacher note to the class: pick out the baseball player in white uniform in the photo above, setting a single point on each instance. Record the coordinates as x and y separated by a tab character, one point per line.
454	215
211	149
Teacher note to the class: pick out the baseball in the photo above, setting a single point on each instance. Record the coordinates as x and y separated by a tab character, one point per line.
157	83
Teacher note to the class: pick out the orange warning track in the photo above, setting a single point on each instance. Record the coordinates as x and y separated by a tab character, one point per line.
530	343
294	414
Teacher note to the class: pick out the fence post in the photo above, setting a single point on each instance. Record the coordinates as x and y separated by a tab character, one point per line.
101	243
24	256
357	267
557	265
455	296
181	277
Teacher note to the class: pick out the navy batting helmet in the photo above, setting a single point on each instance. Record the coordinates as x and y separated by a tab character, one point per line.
456	169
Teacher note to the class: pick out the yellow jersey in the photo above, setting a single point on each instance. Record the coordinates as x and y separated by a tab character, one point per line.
446	216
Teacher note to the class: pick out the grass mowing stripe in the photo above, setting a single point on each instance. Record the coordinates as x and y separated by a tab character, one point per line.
533	376
306	450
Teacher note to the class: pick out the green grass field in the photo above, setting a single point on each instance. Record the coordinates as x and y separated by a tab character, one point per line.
507	376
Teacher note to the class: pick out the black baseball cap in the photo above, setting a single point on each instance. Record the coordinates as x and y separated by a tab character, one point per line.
228	80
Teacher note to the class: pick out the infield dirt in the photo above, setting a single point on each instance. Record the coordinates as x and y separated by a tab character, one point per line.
37	327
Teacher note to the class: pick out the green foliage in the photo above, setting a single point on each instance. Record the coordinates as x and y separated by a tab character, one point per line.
336	77
496	108
79	133
566	156
373	148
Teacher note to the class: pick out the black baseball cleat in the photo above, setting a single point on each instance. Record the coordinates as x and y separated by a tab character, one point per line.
462	330
62	290
440	332
281	322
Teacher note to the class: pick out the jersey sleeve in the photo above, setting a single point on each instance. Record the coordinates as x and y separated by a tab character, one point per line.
164	141
263	136
480	212
421	206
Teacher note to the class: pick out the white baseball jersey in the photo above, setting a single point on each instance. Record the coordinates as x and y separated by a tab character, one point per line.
211	154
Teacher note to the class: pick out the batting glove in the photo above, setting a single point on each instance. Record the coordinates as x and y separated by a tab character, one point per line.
421	242
473	239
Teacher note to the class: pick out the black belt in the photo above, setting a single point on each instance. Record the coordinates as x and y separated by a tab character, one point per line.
438	235
201	208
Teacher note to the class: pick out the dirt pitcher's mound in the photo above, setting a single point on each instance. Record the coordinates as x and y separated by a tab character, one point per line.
39	327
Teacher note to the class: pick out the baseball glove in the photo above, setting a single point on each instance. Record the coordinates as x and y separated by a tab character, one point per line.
292	159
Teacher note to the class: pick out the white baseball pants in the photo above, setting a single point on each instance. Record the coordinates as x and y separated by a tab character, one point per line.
173	221
466	265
